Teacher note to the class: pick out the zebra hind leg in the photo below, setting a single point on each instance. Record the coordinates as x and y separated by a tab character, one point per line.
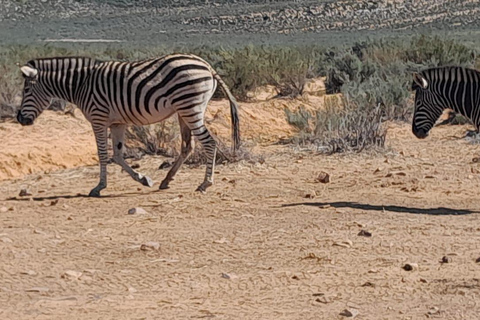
210	149
118	139
187	147
100	132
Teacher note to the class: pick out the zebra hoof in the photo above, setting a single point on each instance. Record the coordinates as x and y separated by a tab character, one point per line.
94	193
164	185
201	190
203	187
146	181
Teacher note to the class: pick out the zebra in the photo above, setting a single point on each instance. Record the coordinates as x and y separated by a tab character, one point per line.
114	94
437	89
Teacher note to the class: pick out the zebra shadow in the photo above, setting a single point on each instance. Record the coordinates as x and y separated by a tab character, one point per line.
78	196
439	211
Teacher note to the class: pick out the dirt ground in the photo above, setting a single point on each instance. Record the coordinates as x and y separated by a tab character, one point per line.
266	242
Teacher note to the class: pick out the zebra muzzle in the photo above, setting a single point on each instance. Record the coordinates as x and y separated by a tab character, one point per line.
420	133
24	121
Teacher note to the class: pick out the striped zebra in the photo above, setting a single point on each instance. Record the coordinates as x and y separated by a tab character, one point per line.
437	89
116	94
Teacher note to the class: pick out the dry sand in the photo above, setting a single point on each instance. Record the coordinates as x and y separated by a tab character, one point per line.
265	242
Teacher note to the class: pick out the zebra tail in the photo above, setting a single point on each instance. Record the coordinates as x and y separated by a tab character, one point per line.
233	112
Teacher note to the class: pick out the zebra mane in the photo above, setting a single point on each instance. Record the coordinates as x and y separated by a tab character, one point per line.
431	73
47	64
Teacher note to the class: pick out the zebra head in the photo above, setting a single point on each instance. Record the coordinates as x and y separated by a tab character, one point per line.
427	108
35	98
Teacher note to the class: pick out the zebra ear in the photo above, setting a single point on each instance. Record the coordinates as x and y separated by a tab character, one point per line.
29	72
420	80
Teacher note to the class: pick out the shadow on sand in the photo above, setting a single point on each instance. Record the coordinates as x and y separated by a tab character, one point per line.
78	196
369	207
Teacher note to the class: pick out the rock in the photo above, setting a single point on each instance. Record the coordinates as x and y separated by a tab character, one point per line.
310	195
38	289
364	233
71	274
433	311
150	246
350	313
29	273
410	267
446	259
135	166
323	300
3	209
165	164
323	177
137	210
478	260
6	240
345	244
24	193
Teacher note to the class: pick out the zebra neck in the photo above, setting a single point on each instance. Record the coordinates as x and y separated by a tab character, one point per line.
64	78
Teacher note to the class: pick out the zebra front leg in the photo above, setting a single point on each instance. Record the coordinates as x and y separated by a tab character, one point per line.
118	139
210	148
187	147
100	132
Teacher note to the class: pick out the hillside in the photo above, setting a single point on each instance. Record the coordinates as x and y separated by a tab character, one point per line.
210	22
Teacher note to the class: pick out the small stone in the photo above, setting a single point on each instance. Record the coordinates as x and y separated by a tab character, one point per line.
71	274
323	177
38	289
310	195
225	276
345	244
29	273
368	284
3	209
24	193
53	202
150	246
349	313
410	267
137	210
433	311
323	300
446	259
478	260
165	164
6	240
364	233
135	166
132	290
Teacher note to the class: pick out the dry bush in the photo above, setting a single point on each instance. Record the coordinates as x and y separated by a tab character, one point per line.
344	125
164	139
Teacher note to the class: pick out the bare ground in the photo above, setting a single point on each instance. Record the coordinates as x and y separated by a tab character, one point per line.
265	242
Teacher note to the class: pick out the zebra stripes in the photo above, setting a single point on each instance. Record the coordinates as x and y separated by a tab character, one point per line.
437	89
116	94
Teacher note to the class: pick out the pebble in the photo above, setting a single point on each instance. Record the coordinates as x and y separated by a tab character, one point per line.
410	267
38	289
137	210
24	193
71	274
323	177
350	313
364	233
150	246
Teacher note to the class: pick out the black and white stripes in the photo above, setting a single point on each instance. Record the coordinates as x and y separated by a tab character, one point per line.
116	94
436	89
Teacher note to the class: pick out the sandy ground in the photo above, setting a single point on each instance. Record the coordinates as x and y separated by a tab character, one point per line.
266	241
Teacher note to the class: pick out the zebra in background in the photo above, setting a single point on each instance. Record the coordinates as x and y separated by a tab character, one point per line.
437	89
116	94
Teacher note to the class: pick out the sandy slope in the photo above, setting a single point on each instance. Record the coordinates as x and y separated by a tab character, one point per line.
253	247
